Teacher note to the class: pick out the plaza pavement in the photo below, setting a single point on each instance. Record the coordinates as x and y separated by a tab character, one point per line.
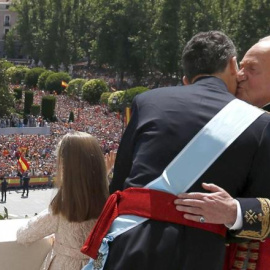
18	207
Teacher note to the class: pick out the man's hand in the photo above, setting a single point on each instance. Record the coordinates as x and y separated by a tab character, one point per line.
217	207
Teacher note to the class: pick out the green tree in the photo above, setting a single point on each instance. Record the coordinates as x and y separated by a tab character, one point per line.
9	44
48	30
71	117
6	97
25	24
252	21
167	43
121	36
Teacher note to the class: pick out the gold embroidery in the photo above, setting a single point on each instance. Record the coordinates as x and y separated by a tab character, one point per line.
254	245
263	217
246	255
254	256
251	217
251	266
238	264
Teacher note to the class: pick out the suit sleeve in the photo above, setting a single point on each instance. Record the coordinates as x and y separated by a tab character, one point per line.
255	199
124	157
256	218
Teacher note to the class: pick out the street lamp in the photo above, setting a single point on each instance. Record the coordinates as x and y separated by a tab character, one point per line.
114	100
22	84
79	93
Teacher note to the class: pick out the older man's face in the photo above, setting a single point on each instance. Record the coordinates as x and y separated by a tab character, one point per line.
254	75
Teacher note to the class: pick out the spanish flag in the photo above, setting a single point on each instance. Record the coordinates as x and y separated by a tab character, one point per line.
64	84
23	164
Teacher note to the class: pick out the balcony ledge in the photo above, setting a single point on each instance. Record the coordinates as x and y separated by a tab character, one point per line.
16	256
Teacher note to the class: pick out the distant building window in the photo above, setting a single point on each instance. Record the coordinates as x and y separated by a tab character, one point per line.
7	6
6	31
6	21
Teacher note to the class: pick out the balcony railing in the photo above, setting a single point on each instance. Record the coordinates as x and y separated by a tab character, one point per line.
18	257
6	23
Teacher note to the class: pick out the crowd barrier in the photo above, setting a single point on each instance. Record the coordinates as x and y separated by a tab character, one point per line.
34	181
25	130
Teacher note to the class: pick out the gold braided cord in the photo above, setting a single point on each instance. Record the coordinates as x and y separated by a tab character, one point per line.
251	266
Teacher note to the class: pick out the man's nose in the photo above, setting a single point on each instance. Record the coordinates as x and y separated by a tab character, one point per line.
241	76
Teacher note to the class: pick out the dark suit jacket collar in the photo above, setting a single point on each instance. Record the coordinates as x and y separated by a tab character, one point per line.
213	81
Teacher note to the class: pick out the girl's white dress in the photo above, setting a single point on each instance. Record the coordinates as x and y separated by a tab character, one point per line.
69	238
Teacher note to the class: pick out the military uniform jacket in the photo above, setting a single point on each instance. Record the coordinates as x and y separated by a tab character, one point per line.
255	214
163	121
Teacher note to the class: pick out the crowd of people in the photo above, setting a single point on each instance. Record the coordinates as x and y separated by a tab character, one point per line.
39	150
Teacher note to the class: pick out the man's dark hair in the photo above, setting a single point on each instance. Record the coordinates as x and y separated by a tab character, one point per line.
207	53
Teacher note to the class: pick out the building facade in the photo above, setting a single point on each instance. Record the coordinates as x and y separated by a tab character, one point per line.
8	19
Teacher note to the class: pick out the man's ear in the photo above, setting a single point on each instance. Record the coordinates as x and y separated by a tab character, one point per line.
234	66
185	80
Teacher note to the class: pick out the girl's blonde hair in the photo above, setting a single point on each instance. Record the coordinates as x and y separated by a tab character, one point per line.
81	178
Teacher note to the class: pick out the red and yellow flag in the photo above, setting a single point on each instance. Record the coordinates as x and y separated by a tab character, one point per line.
64	84
128	114
23	164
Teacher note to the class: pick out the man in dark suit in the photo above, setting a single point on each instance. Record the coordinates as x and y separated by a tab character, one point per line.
4	185
26	180
163	121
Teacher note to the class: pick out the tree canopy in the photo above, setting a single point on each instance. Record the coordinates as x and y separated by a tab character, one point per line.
137	37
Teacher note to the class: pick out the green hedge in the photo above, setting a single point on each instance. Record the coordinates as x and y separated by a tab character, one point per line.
28	101
18	93
104	97
75	87
93	89
35	109
114	100
32	75
16	74
48	107
42	79
128	97
53	82
119	99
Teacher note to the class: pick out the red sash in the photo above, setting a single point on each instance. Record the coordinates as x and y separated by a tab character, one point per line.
148	203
